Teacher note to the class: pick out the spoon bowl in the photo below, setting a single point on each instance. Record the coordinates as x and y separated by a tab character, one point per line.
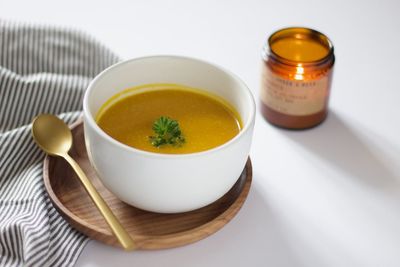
52	135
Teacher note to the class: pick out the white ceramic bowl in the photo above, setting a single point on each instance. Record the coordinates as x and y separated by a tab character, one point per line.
161	182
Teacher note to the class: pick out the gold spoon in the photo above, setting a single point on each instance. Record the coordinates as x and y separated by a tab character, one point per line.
54	137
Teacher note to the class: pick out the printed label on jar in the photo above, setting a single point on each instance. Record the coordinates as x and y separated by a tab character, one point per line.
294	97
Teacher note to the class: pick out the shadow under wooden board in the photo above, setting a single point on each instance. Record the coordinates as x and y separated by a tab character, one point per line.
148	229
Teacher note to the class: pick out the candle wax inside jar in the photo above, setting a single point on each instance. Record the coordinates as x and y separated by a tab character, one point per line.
300	50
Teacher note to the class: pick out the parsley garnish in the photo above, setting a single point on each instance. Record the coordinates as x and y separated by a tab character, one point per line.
167	132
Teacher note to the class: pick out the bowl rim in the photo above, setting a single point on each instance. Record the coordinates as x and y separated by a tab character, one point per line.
88	117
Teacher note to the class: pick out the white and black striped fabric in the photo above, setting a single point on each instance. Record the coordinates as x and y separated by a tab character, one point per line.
42	70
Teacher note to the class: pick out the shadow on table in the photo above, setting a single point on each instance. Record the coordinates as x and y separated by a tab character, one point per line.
255	237
348	148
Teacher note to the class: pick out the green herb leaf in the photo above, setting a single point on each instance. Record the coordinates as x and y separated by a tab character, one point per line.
167	132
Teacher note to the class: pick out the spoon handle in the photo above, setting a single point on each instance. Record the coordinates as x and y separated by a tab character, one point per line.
118	230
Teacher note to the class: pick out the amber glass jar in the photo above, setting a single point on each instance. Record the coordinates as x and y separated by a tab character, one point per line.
296	77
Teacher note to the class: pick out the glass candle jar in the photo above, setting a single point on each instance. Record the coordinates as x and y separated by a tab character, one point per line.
296	77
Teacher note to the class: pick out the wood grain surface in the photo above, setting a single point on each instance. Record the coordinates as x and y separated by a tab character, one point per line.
148	229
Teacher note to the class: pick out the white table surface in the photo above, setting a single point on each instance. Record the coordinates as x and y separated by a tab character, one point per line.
329	196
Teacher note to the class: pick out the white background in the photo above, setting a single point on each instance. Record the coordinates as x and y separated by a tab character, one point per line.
329	196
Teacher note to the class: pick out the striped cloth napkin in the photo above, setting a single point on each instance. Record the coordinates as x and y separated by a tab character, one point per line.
42	70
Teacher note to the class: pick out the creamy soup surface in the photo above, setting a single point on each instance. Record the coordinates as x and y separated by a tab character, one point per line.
204	120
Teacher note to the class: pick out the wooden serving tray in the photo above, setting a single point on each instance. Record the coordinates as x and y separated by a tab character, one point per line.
149	230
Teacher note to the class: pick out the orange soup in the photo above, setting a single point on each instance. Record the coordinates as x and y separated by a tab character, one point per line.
205	121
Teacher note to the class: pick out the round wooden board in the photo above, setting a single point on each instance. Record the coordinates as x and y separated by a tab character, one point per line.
149	230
